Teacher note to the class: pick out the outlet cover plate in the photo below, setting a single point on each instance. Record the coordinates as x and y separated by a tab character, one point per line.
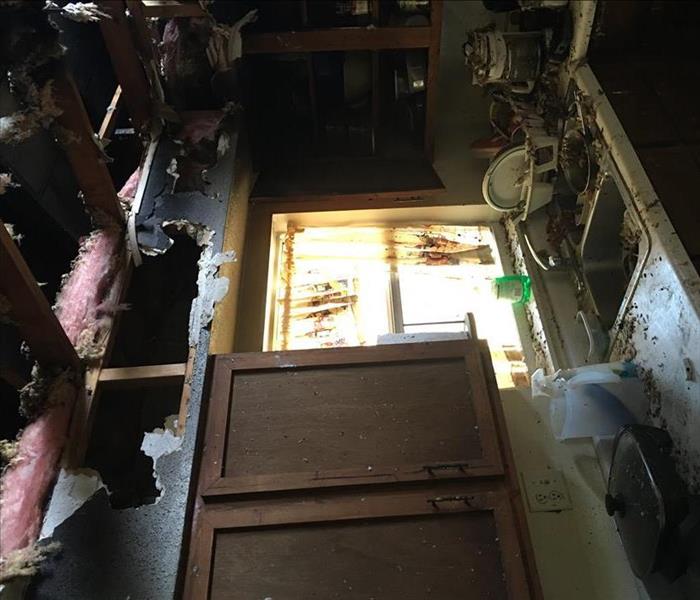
546	490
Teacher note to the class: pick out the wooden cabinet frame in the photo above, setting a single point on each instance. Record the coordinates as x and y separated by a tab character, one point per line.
227	504
227	367
216	518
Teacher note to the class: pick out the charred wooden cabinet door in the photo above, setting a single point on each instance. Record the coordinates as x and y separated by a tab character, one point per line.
356	473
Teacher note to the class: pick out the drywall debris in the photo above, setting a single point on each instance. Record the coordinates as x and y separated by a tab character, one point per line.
71	491
8	452
201	234
81	12
225	43
161	442
25	562
30	49
33	395
172	171
17	237
41	112
6	182
211	289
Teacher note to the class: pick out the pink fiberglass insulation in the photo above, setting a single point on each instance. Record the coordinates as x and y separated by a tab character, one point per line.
85	304
128	191
200	125
26	482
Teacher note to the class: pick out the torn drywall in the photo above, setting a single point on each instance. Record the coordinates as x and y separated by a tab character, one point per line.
159	443
211	289
101	544
71	491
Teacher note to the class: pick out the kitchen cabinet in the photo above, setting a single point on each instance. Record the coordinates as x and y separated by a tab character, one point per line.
359	472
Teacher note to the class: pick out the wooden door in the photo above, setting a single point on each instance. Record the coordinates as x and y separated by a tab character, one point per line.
357	473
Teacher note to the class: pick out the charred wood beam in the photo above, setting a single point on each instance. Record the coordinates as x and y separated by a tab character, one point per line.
339	38
85	156
126	62
29	309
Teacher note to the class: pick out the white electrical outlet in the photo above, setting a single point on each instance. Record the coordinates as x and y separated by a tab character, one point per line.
546	490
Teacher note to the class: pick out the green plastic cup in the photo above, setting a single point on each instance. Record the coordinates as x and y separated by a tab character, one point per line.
514	288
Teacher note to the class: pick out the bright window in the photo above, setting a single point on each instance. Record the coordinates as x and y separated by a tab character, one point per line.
346	286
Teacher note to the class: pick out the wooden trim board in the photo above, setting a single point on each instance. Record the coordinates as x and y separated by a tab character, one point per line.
119	377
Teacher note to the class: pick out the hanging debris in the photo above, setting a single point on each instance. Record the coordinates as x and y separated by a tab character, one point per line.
25	562
30	50
40	112
226	44
6	182
80	12
8	452
17	237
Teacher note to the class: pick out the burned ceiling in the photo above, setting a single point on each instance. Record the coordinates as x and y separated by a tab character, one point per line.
105	293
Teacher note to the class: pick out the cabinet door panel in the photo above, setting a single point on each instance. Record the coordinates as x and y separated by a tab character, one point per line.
359	415
450	543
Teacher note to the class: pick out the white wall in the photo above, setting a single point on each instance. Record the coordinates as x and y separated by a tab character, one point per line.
578	552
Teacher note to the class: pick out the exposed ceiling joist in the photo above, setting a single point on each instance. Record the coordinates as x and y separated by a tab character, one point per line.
85	156
126	62
29	309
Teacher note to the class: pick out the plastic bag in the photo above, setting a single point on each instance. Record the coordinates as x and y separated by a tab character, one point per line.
593	400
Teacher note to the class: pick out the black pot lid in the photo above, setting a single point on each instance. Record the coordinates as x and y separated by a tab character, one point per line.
645	494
